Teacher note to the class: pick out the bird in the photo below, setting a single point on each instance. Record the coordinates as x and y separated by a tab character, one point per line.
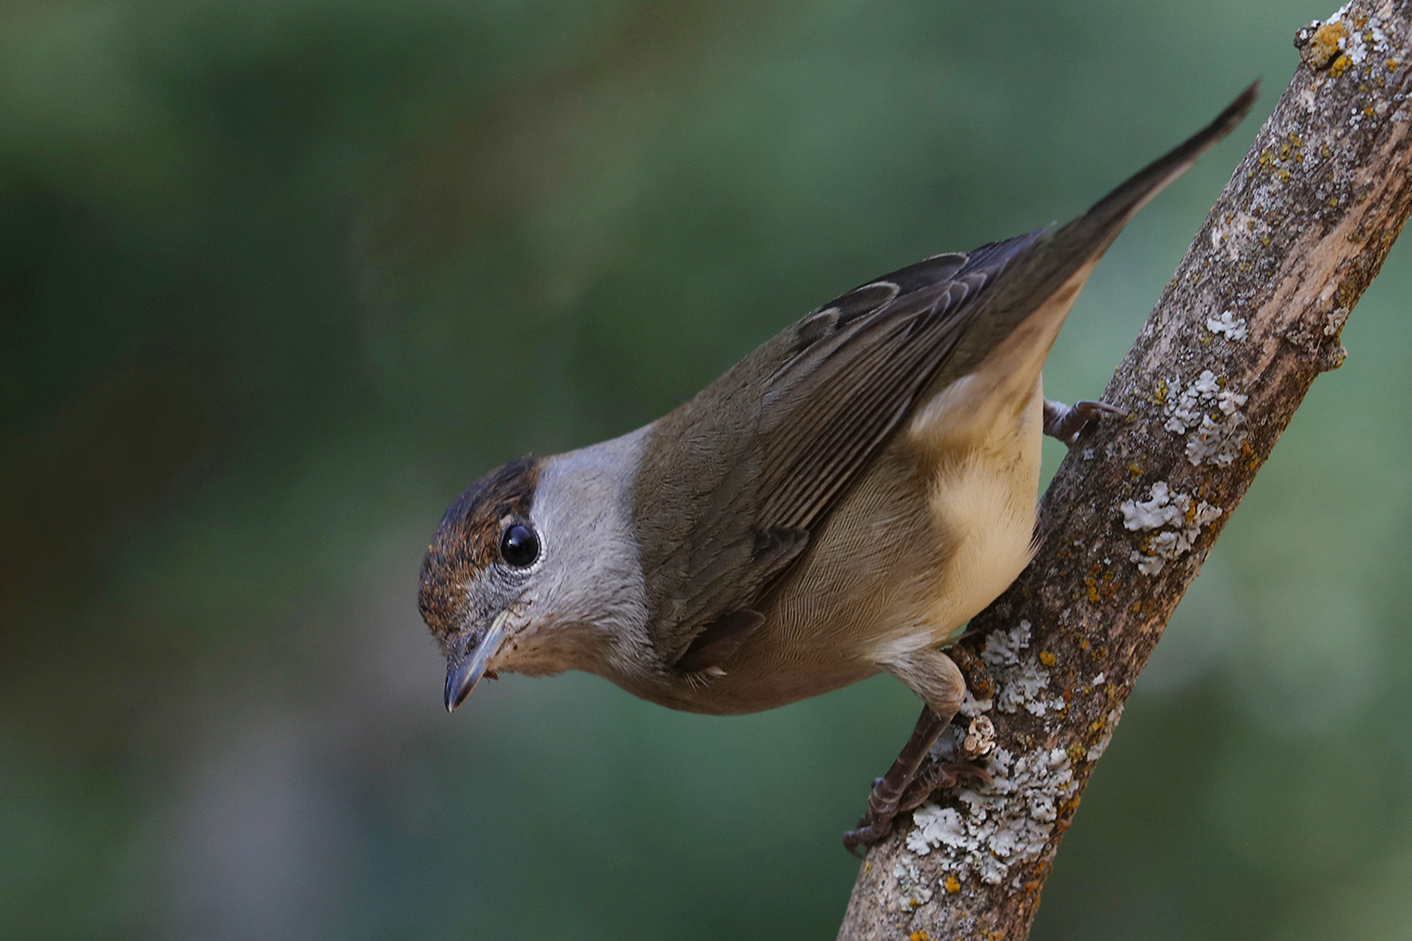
840	503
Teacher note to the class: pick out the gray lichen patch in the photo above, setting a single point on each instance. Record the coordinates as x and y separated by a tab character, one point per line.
1208	414
1002	824
1174	521
1003	648
1228	325
1021	682
910	888
972	707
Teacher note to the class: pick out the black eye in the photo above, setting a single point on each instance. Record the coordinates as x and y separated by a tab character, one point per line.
519	546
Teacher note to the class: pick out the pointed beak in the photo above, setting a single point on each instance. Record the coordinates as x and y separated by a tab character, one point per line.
462	675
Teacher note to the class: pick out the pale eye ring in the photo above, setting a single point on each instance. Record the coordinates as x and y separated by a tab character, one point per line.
519	546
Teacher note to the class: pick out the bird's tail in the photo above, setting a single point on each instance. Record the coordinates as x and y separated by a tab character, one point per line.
1064	250
1098	227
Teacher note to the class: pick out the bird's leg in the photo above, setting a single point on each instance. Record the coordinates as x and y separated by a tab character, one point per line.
934	677
938	775
1066	422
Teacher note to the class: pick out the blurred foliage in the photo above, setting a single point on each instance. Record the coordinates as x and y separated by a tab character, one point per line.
278	279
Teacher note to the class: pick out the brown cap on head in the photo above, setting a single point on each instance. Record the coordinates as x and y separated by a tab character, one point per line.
468	541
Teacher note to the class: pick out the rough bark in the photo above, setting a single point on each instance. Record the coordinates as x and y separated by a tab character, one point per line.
1251	317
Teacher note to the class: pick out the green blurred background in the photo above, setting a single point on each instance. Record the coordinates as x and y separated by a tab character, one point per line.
279	279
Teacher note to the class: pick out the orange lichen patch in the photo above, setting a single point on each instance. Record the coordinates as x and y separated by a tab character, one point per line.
1248	454
919	936
1101	585
1340	66
1325	45
1392	65
1190	516
951	884
1077	753
1092	583
1046	658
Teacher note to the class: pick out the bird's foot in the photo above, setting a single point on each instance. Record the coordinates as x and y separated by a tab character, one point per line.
1067	422
939	777
888	790
884	805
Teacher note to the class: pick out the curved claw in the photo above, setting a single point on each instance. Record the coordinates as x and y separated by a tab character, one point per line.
1067	423
866	835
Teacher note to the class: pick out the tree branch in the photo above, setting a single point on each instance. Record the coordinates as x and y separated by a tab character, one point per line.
1251	318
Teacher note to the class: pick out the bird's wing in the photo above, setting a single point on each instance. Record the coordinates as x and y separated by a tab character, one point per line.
753	464
733	483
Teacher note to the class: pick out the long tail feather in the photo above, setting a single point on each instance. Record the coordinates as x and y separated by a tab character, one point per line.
1064	250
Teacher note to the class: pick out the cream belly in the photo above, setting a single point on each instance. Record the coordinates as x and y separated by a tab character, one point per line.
985	501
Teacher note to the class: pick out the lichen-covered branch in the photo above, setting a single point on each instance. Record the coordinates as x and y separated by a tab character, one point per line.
1251	318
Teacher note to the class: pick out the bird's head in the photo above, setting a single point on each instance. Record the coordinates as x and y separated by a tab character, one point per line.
532	570
478	574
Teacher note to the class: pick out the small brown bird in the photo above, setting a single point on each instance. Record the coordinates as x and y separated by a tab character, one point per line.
839	503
